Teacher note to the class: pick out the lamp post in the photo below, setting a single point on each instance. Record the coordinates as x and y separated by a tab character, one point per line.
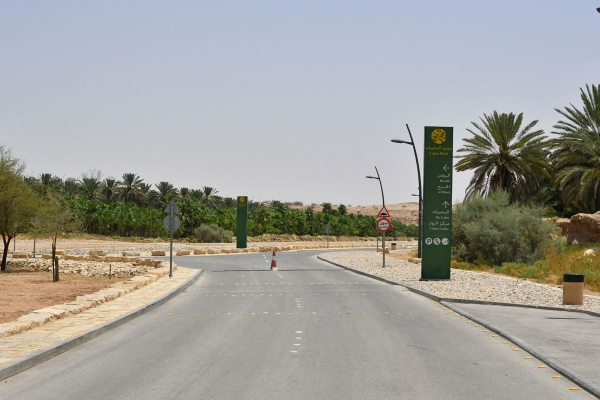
383	201
412	143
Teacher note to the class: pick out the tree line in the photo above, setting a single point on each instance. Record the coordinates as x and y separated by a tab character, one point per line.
129	207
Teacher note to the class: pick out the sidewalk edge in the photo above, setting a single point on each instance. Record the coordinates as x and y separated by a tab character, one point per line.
40	356
584	383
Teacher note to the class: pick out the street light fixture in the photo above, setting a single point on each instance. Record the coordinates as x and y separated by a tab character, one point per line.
383	201
412	143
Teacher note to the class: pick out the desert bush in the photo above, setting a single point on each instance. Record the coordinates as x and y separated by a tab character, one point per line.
492	231
212	233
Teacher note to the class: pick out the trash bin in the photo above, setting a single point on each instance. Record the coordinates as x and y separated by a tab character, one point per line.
573	289
393	246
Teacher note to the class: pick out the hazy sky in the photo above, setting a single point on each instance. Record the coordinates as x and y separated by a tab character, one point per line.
284	100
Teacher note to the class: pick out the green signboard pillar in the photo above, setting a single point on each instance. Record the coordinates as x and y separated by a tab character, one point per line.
437	203
242	222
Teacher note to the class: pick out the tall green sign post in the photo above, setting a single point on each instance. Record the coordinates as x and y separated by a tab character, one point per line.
242	222
437	203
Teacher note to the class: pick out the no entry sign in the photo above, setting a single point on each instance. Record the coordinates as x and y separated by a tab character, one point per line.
384	225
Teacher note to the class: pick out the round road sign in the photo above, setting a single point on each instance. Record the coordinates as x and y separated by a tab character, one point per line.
176	223
384	225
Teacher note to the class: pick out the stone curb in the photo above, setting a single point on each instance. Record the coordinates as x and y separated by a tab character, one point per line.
38	357
586	384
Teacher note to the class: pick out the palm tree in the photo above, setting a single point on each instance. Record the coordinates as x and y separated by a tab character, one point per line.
503	156
229	202
90	187
183	192
576	152
49	184
164	193
109	188
197	194
209	196
132	189
70	188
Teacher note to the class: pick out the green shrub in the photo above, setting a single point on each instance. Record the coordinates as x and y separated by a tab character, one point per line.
212	233
491	230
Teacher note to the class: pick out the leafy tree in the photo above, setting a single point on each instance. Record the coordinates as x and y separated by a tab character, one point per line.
18	201
576	152
503	156
342	210
281	209
327	208
54	219
132	189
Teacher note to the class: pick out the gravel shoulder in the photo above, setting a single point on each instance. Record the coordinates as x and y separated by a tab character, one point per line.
468	285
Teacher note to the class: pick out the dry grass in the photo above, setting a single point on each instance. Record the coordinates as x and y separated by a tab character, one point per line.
550	269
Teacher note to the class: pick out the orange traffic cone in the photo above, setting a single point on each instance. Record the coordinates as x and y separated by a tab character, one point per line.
273	262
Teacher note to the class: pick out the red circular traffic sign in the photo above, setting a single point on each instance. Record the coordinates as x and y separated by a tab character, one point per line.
384	224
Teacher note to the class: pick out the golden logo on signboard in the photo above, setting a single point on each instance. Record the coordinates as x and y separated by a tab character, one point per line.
438	136
242	199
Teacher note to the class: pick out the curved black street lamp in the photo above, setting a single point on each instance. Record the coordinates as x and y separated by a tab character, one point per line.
412	143
380	185
383	201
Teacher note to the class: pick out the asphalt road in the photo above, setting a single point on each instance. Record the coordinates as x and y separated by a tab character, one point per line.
307	331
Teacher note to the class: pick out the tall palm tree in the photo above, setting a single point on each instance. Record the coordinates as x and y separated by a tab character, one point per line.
164	193
229	202
576	152
49	184
131	189
197	194
70	188
503	156
90	187
209	196
109	188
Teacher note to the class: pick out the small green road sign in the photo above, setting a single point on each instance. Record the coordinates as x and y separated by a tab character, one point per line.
242	222
437	203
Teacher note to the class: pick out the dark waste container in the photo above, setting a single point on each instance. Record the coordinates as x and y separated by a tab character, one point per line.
393	246
573	289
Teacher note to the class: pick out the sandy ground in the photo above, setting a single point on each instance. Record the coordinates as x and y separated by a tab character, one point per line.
406	213
24	291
